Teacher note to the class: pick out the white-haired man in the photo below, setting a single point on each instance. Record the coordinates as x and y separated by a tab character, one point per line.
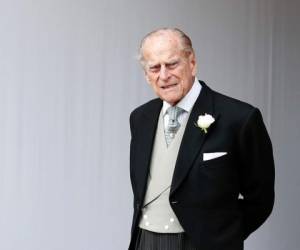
201	163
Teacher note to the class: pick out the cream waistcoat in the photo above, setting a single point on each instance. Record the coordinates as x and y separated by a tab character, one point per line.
157	214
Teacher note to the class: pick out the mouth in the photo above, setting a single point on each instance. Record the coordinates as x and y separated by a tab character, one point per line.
170	86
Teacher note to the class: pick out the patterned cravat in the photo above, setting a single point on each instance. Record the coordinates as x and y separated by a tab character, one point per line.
173	124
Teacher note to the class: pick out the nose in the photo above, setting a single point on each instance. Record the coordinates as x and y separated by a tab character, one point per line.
164	73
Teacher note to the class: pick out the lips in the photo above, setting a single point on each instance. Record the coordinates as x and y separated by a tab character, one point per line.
169	86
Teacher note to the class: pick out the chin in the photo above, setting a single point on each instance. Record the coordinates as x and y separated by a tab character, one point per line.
172	101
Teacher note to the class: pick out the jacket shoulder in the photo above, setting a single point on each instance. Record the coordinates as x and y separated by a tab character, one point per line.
235	113
231	102
232	107
145	109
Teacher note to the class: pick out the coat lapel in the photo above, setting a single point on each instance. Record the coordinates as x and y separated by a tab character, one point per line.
144	145
193	137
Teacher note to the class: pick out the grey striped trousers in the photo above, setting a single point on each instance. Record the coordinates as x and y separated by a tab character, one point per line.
163	241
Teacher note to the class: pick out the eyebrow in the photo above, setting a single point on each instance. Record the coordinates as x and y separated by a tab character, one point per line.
172	61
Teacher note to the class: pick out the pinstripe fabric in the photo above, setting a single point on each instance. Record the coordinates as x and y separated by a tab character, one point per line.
163	241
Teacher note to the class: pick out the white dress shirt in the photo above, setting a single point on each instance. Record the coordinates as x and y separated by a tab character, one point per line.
186	103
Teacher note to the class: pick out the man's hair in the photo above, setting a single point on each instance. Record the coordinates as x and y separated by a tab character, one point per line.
185	41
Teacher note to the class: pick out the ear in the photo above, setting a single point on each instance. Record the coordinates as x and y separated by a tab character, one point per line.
193	64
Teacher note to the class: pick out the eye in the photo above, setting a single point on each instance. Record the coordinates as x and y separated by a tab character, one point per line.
154	68
172	65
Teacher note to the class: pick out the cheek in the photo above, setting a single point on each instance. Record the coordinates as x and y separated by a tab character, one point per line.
154	86
151	80
183	79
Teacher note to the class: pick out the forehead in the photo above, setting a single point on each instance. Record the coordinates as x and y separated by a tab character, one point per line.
161	47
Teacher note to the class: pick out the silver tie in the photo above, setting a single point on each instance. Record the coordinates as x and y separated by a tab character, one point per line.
173	124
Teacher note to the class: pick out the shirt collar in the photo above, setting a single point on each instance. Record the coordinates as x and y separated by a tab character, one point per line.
188	101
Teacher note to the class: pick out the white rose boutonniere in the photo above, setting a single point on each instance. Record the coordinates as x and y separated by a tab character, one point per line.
204	122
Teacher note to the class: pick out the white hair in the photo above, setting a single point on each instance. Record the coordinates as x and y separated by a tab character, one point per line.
185	41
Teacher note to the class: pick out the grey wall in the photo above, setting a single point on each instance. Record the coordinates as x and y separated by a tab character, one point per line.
68	81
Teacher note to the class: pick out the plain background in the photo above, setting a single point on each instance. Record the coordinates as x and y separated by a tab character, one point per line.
69	79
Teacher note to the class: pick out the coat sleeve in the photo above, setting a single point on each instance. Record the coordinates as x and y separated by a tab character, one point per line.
256	172
131	156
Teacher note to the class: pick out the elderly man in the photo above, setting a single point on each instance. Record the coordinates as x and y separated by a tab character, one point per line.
201	163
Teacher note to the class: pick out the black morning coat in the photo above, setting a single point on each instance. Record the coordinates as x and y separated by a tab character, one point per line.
205	194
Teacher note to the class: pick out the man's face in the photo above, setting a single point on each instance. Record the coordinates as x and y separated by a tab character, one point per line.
169	70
